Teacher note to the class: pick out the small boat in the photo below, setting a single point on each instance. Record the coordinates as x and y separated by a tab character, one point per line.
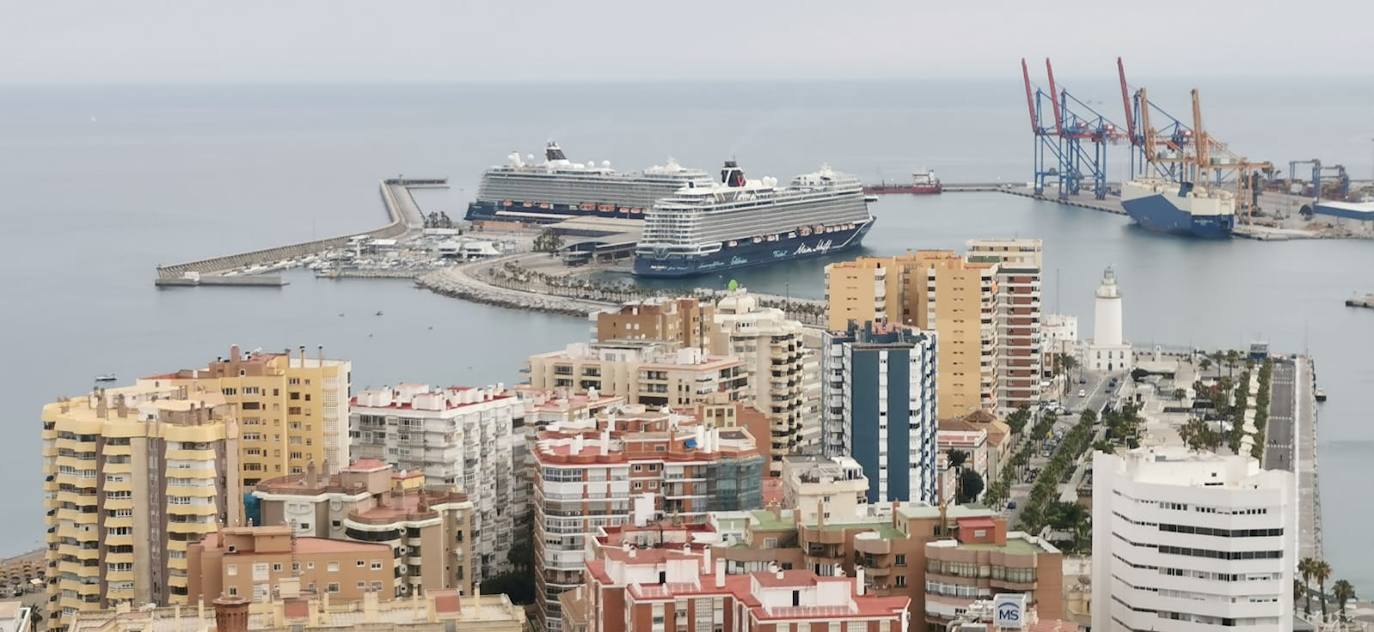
379	312
108	377
1320	394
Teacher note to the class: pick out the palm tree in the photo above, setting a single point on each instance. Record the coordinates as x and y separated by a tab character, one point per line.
1305	568
1344	591
1298	591
1321	572
955	461
1205	364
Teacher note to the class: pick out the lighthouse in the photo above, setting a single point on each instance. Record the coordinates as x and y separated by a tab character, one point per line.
1108	352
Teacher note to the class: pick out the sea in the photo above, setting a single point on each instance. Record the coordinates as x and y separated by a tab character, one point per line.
104	182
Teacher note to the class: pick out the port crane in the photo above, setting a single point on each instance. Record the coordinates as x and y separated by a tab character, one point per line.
1076	143
1184	153
1341	188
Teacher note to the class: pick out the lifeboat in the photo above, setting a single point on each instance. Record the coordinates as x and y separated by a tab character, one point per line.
733	243
805	231
758	240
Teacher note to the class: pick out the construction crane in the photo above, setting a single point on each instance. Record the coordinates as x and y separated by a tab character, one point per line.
1075	161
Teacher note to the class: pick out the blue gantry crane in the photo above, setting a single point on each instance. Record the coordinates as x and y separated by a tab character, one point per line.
1077	142
1340	190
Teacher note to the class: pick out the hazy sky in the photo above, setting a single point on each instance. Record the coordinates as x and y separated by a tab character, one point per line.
430	40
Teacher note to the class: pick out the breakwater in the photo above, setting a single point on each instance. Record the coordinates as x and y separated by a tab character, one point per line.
403	217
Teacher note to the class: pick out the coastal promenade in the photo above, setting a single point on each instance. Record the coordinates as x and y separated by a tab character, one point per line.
404	219
1291	444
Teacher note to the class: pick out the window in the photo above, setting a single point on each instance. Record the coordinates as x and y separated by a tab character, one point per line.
901	580
901	559
361	563
231	570
233	591
376	565
333	587
333	568
276	567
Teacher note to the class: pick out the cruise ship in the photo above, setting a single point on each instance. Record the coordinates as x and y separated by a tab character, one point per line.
558	189
739	222
1179	208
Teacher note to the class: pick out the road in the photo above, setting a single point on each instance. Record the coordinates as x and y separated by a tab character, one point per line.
1278	442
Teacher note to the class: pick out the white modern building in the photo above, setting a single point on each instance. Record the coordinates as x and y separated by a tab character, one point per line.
1191	541
1107	351
456	436
879	397
775	356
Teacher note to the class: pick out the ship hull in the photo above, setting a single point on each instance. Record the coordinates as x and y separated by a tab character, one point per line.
1159	214
748	254
517	212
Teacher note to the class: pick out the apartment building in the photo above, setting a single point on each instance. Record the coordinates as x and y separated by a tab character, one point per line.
820	487
132	477
299	612
774	354
541	409
456	436
292	409
998	444
1191	540
880	396
679	592
939	291
629	466
1020	349
648	372
983	560
428	529
681	320
255	562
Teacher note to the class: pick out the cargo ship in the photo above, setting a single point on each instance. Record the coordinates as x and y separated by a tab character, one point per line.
558	189
922	183
1176	208
739	223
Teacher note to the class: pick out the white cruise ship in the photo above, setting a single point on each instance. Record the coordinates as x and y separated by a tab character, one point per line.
739	222
557	189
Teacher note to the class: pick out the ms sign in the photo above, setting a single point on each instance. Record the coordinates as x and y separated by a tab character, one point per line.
1009	611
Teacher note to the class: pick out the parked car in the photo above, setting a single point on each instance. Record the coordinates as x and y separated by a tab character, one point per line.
1082	392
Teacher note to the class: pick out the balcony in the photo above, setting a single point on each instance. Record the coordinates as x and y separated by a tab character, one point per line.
871	543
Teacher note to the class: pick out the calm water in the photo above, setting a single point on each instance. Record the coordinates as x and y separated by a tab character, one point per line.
104	183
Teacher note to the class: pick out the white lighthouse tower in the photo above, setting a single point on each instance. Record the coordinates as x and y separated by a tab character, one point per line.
1108	352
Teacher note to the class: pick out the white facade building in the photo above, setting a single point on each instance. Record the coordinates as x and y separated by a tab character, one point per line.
1191	541
775	357
456	436
1107	351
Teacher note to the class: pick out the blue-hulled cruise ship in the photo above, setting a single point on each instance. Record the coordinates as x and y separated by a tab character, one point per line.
557	189
739	222
1179	208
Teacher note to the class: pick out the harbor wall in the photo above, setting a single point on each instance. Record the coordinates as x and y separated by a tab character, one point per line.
402	214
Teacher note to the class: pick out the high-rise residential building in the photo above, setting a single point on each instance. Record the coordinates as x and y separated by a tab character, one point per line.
255	562
304	612
938	291
1108	351
428	529
133	476
629	465
1191	540
880	405
648	372
293	409
457	436
774	356
681	320
674	591
1018	318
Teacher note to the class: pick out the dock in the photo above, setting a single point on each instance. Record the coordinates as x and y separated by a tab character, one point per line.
404	219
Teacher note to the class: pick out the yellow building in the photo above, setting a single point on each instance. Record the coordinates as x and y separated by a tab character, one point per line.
292	409
932	290
132	477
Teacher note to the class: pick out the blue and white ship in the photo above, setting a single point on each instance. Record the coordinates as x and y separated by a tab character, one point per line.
1179	208
739	222
558	189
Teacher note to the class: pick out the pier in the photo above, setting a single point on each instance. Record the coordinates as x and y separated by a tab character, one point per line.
404	219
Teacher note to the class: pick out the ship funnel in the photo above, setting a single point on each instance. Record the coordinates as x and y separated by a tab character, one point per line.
731	175
553	152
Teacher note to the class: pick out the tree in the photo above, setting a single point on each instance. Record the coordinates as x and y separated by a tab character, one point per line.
1344	591
548	241
1298	591
1018	419
970	486
1199	437
1305	568
956	458
1205	364
1322	572
1179	394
